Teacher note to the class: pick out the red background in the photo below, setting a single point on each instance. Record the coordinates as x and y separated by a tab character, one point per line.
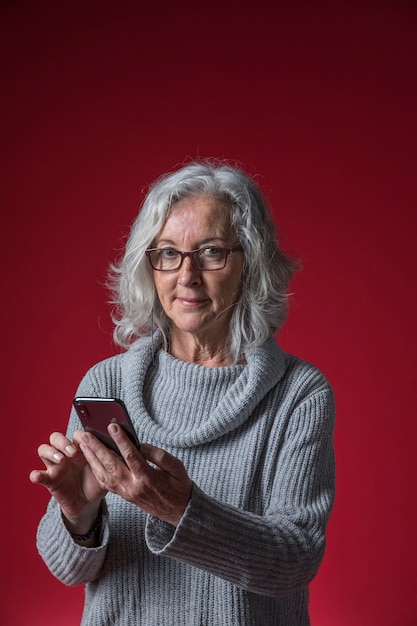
316	98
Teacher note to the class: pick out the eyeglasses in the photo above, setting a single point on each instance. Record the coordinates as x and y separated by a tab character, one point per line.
208	258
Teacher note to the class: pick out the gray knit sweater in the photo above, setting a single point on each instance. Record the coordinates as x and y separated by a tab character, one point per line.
257	442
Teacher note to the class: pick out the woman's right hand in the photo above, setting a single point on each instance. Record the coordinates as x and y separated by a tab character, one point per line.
69	478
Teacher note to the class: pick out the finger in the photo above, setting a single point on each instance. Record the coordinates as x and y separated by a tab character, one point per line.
77	438
36	477
51	456
45	478
89	442
165	461
133	459
105	465
62	444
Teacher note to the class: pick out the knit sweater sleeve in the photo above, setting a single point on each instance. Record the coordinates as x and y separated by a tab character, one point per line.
71	563
279	552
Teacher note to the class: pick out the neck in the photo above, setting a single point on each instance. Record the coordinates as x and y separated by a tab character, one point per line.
191	350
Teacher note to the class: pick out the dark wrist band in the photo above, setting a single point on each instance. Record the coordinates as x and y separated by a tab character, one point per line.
94	528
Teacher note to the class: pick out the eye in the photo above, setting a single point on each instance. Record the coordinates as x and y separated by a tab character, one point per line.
211	252
168	253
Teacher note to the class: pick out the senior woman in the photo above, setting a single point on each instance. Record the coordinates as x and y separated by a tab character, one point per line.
219	519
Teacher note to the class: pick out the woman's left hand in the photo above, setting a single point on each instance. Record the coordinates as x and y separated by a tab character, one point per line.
162	489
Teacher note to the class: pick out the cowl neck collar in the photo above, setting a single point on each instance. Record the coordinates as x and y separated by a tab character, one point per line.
264	368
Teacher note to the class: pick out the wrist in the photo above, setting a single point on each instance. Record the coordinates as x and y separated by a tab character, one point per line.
92	532
81	523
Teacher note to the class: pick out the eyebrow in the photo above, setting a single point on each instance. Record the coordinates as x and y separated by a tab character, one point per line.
203	242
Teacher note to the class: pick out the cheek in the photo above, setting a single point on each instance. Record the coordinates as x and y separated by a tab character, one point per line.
231	290
161	286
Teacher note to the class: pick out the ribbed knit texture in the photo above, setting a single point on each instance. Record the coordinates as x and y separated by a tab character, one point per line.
257	442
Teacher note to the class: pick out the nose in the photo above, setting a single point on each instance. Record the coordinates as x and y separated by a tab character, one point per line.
188	274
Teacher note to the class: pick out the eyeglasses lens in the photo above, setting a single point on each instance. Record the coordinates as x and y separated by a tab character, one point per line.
209	258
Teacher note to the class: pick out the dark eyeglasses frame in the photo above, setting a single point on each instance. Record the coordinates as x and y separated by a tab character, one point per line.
192	255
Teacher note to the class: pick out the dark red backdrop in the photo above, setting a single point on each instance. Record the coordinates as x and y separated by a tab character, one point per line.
319	100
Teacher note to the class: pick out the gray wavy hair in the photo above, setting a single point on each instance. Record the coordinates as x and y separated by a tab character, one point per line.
267	270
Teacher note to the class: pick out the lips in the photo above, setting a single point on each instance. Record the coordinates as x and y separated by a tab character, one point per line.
192	302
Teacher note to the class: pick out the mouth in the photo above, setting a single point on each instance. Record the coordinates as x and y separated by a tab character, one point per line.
192	302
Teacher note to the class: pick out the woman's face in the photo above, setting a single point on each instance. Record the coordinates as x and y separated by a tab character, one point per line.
199	302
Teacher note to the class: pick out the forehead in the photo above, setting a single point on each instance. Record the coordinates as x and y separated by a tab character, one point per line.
199	214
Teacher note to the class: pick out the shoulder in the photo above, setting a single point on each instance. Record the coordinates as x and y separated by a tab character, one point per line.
309	394
293	370
300	380
304	373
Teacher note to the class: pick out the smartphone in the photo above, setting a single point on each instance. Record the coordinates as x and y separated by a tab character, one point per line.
97	413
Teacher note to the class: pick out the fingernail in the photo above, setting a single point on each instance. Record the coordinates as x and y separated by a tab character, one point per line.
113	429
86	438
71	449
57	456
